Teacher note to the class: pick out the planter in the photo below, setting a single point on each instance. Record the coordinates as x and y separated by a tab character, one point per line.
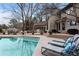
50	32
32	33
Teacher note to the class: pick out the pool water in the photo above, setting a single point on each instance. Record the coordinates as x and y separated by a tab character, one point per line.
18	46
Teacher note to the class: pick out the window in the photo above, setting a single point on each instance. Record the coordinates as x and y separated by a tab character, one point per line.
71	10
78	20
68	11
59	26
72	23
63	26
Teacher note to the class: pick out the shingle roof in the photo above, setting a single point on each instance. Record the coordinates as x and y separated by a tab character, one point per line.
67	7
43	23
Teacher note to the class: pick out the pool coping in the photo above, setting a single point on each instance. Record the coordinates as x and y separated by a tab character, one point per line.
18	35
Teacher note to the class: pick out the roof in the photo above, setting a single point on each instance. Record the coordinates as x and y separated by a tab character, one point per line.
67	7
43	23
12	29
62	20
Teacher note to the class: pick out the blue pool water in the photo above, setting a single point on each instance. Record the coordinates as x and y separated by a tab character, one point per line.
18	46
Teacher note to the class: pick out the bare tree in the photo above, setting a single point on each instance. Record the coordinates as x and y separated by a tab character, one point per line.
25	12
33	9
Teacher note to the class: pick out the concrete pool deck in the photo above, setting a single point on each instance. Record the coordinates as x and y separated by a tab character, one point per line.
43	41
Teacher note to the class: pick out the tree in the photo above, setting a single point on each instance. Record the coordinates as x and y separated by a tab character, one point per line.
34	20
33	9
4	26
26	25
22	11
26	12
13	23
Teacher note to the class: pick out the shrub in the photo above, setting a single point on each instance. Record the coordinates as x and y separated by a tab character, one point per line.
12	32
3	32
45	31
41	32
54	31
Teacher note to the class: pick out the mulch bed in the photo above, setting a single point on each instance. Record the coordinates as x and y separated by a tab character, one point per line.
58	36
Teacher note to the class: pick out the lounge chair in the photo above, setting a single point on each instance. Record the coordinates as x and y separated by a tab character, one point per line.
59	50
63	43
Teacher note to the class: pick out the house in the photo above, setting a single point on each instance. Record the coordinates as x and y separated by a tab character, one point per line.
68	20
41	26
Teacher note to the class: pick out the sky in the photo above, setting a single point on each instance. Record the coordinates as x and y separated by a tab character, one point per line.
40	1
2	17
4	13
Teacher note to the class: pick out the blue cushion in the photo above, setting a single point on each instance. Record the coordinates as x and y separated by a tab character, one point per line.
69	40
69	47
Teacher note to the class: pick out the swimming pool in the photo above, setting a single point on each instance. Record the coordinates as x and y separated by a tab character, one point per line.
17	46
